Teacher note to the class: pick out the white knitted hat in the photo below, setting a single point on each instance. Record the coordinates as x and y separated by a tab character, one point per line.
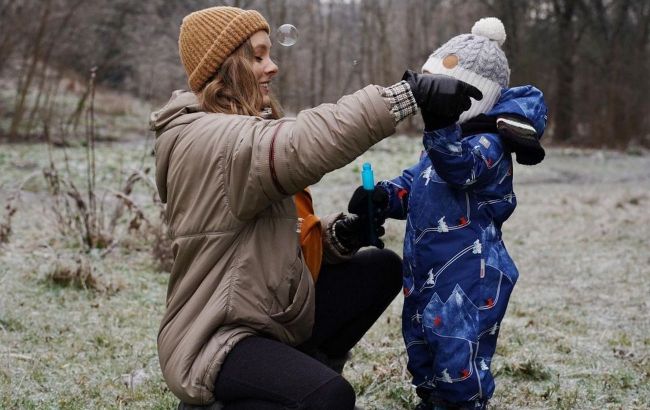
478	60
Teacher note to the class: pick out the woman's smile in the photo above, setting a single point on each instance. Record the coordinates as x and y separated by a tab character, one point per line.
264	87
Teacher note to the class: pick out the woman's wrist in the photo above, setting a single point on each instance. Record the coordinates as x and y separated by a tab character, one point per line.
401	100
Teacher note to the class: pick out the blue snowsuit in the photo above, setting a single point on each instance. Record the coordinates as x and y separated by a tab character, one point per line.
458	275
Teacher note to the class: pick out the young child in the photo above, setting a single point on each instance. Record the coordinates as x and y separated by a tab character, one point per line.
458	275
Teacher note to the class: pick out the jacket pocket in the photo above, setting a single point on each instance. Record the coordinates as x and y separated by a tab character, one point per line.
300	301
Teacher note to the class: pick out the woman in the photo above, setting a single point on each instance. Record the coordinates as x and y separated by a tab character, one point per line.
247	247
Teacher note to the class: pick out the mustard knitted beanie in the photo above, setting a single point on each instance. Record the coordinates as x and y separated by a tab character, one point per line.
209	36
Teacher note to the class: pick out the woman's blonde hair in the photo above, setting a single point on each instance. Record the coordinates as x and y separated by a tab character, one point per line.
234	88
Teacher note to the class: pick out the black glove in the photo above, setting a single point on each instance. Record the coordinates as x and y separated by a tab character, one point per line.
359	203
519	136
479	124
441	98
517	133
353	232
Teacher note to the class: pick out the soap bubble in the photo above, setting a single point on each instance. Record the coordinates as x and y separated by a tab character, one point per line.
287	35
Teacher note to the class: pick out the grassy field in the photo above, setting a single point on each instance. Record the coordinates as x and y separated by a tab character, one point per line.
576	335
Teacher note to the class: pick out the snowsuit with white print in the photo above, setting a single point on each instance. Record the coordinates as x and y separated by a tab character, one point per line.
458	275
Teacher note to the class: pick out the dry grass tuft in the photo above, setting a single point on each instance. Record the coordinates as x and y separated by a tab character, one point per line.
152	229
79	273
530	369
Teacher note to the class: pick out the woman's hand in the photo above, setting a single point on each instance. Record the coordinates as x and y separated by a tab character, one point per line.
353	232
441	98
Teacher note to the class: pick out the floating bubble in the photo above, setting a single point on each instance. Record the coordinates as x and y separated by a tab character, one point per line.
287	35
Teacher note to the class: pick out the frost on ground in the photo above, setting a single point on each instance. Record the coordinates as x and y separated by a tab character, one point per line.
576	335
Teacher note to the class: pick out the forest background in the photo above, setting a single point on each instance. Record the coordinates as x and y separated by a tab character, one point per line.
590	57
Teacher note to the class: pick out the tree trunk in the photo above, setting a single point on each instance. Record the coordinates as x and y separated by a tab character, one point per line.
19	108
564	71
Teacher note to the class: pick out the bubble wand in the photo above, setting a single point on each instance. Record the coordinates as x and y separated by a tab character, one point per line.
368	182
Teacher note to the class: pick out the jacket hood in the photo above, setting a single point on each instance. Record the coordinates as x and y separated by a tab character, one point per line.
181	103
181	109
526	101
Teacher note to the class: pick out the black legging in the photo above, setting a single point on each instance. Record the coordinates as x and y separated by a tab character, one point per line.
264	374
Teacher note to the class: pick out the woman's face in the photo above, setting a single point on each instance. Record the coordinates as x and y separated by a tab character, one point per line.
263	67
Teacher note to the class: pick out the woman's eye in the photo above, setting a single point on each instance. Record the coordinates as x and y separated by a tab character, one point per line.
258	59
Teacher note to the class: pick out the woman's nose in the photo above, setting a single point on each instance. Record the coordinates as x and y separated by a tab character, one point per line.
271	68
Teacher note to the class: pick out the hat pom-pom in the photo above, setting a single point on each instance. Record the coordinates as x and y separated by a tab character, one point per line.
492	28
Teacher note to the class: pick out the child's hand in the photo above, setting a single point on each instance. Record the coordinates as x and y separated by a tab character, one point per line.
441	98
519	136
359	202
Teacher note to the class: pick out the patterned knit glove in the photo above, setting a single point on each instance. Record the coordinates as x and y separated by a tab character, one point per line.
353	232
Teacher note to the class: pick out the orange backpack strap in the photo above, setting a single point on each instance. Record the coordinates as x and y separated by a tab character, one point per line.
310	232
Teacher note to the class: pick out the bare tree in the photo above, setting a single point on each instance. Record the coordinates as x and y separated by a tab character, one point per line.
589	56
31	60
568	37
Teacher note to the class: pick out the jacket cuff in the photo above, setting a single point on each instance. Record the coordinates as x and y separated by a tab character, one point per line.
401	100
333	251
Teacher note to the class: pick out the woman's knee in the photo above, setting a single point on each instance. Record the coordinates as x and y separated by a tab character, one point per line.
335	394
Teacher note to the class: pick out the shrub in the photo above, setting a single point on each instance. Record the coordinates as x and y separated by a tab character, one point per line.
10	210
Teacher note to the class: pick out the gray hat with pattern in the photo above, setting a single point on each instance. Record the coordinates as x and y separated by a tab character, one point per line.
477	59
